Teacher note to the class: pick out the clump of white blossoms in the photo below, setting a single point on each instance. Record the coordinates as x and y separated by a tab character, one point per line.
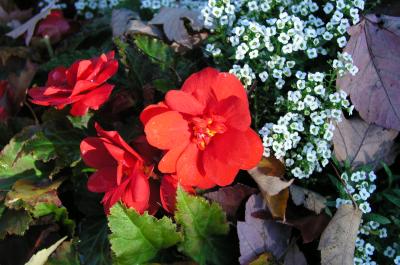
157	4
290	46
89	8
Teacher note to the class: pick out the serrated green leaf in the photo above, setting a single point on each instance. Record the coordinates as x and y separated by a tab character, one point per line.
14	222
93	247
68	58
136	239
65	254
13	166
59	213
203	225
157	50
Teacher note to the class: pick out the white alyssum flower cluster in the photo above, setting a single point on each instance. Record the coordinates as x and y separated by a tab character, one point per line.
302	137
359	185
276	42
393	252
157	4
44	3
89	8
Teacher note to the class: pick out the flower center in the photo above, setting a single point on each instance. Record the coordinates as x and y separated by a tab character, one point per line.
204	128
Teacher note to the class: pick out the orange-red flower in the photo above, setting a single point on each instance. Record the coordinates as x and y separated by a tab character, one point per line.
83	85
121	173
204	129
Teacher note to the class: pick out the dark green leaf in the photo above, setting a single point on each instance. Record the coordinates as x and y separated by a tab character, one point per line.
14	222
135	238
393	199
65	254
157	50
203	225
59	213
93	247
378	218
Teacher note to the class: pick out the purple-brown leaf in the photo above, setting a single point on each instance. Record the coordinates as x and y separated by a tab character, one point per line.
375	90
230	198
294	256
364	144
257	236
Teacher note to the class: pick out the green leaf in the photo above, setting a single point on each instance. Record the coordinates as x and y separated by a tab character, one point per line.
13	166
93	247
68	58
157	50
203	225
65	254
378	218
163	85
136	238
59	213
393	199
14	222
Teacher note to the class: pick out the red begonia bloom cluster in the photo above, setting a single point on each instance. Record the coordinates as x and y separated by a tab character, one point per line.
204	129
204	133
83	85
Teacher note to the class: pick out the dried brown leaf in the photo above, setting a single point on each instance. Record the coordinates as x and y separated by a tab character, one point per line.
140	27
337	242
375	90
120	19
309	199
172	20
29	26
310	226
364	144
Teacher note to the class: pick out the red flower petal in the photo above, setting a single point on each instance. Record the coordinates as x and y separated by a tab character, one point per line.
137	193
154	201
218	171
103	180
235	111
168	163
199	84
236	148
227	85
95	154
183	102
151	111
109	69
167	130
187	167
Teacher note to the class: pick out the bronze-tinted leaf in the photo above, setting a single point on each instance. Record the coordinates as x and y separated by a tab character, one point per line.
375	90
364	144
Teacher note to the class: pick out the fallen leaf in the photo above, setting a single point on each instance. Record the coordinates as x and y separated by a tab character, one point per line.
230	198
309	199
294	256
364	144
140	27
257	236
29	26
310	226
14	222
275	190
337	242
120	19
41	256
374	46
172	20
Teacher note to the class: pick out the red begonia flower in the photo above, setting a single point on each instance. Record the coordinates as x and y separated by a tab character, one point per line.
83	85
121	173
169	185
204	129
55	26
